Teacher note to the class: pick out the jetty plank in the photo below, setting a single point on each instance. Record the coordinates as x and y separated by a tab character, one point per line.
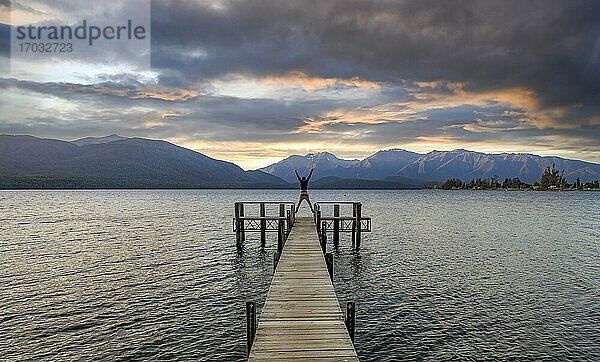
301	318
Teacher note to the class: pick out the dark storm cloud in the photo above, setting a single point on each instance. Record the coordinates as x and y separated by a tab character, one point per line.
466	125
276	72
551	47
118	86
120	99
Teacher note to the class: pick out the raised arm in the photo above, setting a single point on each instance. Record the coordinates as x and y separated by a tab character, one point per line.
296	171
310	174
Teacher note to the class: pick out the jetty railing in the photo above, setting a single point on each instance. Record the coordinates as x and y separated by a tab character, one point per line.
356	223
281	223
285	215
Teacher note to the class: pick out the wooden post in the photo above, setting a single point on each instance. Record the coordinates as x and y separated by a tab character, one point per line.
275	260
281	228
263	225
281	210
288	219
250	325
242	232
329	262
238	232
280	235
350	319
318	220
354	224
358	224
324	237
336	225
293	214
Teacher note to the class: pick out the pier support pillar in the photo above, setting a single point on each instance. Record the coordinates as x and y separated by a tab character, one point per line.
250	325
242	232
354	224
281	228
263	225
336	225
324	237
281	210
239	223
358	224
238	232
280	235
318	220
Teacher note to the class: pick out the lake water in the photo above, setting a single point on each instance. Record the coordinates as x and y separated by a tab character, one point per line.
155	274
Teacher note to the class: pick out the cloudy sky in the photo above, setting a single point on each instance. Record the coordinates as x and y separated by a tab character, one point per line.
255	81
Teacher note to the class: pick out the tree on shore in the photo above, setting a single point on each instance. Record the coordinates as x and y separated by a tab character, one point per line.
594	185
481	184
494	182
453	183
552	178
514	183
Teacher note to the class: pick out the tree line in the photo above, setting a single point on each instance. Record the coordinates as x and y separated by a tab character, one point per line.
551	179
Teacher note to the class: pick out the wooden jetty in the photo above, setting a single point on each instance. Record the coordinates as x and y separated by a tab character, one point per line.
301	318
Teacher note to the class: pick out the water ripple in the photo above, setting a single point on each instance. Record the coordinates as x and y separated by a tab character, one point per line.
154	274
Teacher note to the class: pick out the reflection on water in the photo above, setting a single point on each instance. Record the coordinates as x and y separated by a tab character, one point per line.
155	274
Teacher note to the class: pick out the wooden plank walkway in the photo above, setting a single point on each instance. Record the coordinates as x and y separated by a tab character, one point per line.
301	318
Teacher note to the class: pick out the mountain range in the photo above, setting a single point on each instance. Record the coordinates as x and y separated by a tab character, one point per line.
115	161
118	162
435	166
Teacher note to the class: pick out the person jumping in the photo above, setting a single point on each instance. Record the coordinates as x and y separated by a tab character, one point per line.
304	189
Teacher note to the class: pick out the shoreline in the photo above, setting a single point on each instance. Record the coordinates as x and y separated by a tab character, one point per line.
279	188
